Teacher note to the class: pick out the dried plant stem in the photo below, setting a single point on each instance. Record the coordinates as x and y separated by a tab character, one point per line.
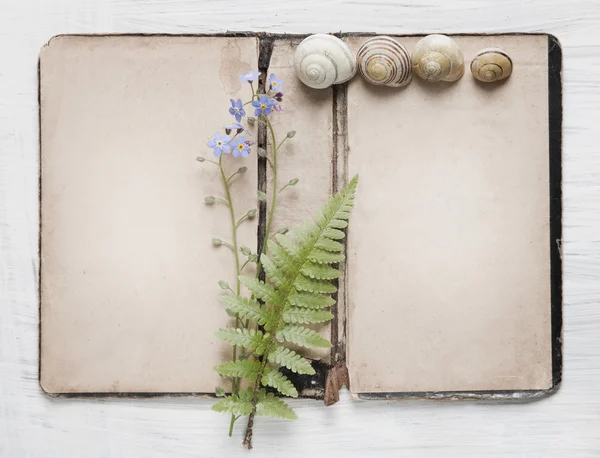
250	428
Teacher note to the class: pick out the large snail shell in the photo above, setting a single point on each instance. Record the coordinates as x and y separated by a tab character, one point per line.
438	58
383	61
491	64
322	60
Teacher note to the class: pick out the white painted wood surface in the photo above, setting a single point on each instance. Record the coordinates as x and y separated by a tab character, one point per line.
34	425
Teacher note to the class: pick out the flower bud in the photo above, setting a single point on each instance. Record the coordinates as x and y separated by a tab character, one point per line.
242	169
283	231
217	242
262	196
293	181
223	284
240	130
251	213
200	159
227	130
245	251
261	152
253	258
209	200
291	134
251	120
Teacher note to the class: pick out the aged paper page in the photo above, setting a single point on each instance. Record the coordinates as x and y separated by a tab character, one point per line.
307	156
449	250
128	274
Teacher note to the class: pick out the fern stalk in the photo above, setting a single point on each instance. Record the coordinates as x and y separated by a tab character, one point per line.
346	196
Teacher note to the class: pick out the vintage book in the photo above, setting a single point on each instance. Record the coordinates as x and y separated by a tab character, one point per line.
453	251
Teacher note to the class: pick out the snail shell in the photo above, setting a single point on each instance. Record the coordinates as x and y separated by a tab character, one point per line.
491	64
322	60
383	61
438	58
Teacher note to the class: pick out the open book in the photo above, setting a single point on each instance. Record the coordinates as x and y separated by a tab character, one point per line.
452	279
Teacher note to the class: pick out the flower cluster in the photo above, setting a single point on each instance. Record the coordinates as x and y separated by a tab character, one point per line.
263	104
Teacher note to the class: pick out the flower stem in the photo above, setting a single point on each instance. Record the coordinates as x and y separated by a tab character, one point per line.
234	226
274	194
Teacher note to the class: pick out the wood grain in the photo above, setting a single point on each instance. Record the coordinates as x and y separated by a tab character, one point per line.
34	425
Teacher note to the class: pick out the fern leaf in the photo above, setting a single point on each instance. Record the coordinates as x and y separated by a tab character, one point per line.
292	360
280	256
320	271
333	233
288	244
248	369
303	336
247	308
306	316
234	405
303	283
338	224
247	338
325	257
275	379
271	406
259	288
329	245
272	271
310	300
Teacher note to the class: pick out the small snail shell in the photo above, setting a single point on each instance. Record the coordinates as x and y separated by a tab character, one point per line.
322	60
383	61
491	64
438	58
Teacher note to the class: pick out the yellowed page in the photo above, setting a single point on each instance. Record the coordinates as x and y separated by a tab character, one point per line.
128	274
448	250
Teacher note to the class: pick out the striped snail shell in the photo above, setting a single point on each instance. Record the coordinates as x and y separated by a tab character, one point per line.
384	61
438	58
491	64
322	60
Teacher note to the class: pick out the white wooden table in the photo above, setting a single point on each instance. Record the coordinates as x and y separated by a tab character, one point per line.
33	425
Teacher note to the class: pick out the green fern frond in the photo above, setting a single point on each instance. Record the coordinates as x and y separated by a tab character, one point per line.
320	271
289	245
311	285
306	316
244	368
275	379
334	234
270	406
292	360
272	271
302	336
247	338
299	268
234	405
259	288
329	245
247	308
325	257
310	300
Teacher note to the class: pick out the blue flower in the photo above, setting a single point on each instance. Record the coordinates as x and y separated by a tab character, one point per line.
264	105
275	84
220	144
240	146
249	77
237	109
